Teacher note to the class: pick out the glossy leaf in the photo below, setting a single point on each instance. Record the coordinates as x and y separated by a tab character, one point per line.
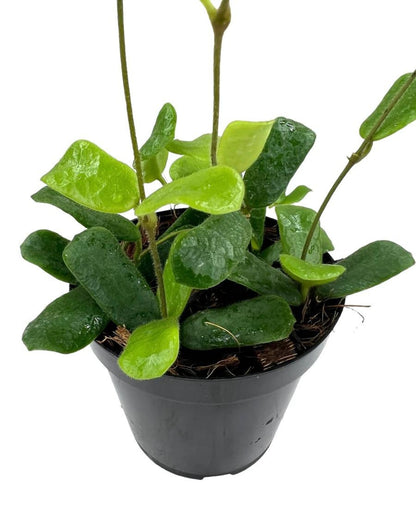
271	254
154	166
294	224
216	190
177	295
369	266
326	243
91	177
204	256
185	166
98	263
250	322
67	324
287	146
309	274
145	264
401	115
242	142
151	349
199	148
298	194
189	218
162	134
44	248
260	277
122	228
257	219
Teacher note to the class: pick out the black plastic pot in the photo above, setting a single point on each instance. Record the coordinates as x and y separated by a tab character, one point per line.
204	427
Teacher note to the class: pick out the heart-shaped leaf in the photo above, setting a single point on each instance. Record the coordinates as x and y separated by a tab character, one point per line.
67	324
177	295
89	176
199	148
185	166
287	146
242	142
122	228
216	190
96	260
153	167
309	274
205	256
264	279
250	322
162	134
44	248
151	349
369	266
401	115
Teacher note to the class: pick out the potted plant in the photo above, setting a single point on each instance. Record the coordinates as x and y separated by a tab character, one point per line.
205	317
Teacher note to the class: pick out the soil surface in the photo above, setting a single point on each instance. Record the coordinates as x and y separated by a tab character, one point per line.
314	321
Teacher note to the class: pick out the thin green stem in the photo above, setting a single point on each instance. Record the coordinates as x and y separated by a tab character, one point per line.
211	10
218	36
355	158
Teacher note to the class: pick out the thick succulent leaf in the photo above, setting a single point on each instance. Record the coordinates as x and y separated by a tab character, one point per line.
369	266
177	295
271	254
162	134
216	190
250	322
186	165
287	146
91	177
67	324
44	248
260	277
189	218
151	349
401	115
200	148
153	167
204	256
242	142
294	224
310	274
122	228
257	219
298	194
97	261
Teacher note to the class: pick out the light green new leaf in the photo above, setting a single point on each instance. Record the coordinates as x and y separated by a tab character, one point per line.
369	266
294	196
177	295
153	167
215	190
242	142
162	134
67	324
310	274
151	349
199	148
187	165
44	248
91	177
250	322
401	115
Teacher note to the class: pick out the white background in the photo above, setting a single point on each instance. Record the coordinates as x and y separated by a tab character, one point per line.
346	448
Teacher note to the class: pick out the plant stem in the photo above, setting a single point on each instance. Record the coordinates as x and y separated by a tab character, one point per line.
149	225
355	158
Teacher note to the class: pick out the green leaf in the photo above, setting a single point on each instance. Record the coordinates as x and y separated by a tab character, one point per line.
162	134
177	295
401	115
199	148
271	254
250	322
216	190
122	228
67	324
98	263
91	177
369	266
294	196
294	224
205	256
287	146
151	349
185	166
189	218
241	143
309	274
257	219
44	248
264	279
326	244
145	264
153	167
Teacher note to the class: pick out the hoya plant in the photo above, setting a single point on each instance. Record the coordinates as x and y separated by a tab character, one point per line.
125	272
